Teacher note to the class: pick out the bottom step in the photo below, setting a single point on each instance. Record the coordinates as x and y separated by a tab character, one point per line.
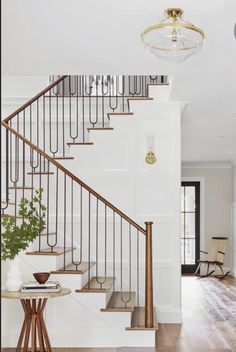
138	320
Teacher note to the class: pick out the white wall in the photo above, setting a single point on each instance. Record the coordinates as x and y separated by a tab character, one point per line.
234	222
218	200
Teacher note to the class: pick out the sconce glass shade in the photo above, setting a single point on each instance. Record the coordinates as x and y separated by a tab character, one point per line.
174	39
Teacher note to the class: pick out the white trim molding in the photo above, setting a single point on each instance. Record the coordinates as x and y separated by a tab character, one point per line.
202	207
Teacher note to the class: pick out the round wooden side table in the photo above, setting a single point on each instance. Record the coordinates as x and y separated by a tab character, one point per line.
33	325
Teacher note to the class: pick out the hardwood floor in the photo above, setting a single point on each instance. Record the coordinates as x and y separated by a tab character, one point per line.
209	321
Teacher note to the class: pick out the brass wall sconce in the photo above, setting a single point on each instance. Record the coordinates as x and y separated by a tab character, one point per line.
150	157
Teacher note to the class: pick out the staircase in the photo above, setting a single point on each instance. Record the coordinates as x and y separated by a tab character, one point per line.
89	244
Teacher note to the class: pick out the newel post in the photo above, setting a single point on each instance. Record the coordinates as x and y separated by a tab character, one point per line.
148	277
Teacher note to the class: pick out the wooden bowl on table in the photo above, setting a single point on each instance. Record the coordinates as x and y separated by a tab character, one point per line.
41	277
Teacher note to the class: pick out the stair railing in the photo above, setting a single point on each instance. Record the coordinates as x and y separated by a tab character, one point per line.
27	158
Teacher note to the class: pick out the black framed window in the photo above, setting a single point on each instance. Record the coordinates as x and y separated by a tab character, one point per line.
190	226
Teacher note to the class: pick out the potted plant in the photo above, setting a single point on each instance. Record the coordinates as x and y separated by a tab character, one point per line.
16	238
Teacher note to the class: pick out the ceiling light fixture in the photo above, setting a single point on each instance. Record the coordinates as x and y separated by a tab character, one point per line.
174	39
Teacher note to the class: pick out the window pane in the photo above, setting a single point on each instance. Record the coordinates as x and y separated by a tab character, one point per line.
182	198
189	224
190	198
189	251
182	252
182	224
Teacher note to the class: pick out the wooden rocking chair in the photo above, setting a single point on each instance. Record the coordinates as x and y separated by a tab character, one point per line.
215	257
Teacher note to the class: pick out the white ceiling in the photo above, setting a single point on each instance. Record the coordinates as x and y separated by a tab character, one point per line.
43	37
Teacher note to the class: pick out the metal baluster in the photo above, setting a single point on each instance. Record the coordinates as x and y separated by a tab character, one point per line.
114	249
16	168
123	299
121	256
101	281
112	97
81	225
73	137
89	236
72	221
44	132
65	224
122	92
103	110
72	92
138	92
97	269
138	292
89	111
57	202
23	152
40	187
53	150
131	80
83	83
48	214
104	91
96	102
7	169
63	118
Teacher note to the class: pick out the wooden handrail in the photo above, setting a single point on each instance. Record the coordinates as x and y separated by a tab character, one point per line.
32	100
75	178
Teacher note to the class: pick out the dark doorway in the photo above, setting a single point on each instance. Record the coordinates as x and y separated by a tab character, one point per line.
190	226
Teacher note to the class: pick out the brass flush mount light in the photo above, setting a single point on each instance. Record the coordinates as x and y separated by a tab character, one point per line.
150	157
174	39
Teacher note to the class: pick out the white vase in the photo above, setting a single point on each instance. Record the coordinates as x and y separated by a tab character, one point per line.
14	281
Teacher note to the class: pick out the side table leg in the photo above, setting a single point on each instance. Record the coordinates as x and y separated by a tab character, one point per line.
28	324
43	327
33	325
39	328
23	329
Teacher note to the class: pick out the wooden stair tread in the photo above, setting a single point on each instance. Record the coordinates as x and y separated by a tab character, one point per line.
80	143
120	113
47	251
63	157
21	187
140	98
94	286
158	84
47	234
138	320
71	268
116	304
9	203
12	216
100	128
40	173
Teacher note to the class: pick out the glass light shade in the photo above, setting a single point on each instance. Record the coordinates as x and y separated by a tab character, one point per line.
174	39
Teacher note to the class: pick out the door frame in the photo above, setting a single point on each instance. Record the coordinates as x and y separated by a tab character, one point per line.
202	243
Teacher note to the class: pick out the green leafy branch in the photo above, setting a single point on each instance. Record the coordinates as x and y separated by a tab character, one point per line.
17	237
